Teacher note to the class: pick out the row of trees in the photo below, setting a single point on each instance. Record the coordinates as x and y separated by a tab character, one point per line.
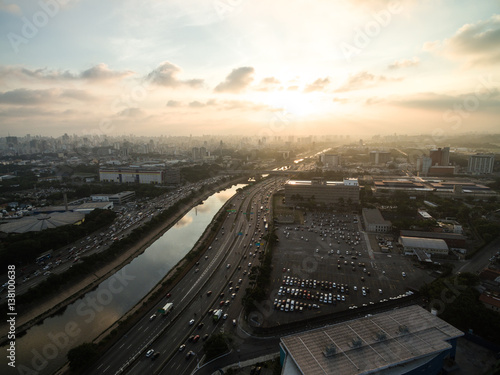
457	301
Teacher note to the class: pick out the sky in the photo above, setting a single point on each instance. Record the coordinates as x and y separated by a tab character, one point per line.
253	68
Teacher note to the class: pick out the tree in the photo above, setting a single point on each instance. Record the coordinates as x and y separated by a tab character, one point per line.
215	346
82	356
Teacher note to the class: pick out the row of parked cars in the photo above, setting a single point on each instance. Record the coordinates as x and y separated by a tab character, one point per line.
307	283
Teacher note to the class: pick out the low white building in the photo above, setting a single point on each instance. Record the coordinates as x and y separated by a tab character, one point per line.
428	245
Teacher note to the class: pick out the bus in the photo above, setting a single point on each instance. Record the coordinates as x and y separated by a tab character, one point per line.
44	256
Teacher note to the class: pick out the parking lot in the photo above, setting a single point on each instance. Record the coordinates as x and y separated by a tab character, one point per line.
323	265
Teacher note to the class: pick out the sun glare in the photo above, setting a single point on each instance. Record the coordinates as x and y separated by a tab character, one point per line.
295	103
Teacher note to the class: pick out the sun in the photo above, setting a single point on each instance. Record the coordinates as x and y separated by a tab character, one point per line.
294	102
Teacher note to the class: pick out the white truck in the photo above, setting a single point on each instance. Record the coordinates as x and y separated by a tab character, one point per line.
166	309
217	315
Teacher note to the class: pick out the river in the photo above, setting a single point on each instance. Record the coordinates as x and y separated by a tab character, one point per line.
43	349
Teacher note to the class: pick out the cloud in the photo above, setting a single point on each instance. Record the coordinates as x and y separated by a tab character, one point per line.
405	63
173	103
363	80
166	74
441	102
270	81
131	112
340	100
478	43
196	104
246	105
268	84
237	80
99	72
293	88
36	97
318	85
10	8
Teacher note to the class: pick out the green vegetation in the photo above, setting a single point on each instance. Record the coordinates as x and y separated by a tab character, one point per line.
82	356
200	172
457	301
261	275
216	345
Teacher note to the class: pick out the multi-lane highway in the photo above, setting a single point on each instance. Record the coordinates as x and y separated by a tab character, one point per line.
219	271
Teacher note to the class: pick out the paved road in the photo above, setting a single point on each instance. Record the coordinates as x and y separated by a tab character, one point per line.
189	296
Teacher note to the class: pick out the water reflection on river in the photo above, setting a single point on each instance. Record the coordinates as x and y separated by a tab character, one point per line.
43	349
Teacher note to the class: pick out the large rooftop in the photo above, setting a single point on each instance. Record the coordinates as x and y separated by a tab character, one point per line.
427	243
371	344
41	222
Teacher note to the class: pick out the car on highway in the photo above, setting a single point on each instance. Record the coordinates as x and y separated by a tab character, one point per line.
209	292
182	347
156	355
191	322
404	274
150	352
152	317
190	354
200	326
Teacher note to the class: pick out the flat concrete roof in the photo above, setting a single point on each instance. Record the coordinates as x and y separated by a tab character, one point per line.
370	344
373	216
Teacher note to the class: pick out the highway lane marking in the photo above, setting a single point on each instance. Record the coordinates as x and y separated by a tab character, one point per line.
106	369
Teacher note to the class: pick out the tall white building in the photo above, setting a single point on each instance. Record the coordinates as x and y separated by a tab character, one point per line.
481	163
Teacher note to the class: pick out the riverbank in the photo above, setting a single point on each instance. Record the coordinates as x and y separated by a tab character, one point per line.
113	333
51	306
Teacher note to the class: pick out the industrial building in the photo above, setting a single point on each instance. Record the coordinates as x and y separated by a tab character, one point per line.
37	223
405	185
374	221
140	175
320	191
408	340
412	245
453	240
118	198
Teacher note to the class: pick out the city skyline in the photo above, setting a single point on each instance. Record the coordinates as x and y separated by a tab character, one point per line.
232	67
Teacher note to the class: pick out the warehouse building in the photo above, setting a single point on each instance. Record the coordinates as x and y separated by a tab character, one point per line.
320	191
374	221
413	245
140	175
409	340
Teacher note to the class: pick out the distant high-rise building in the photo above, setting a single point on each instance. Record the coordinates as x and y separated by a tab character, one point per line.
203	152
424	164
330	161
195	153
481	163
379	157
441	156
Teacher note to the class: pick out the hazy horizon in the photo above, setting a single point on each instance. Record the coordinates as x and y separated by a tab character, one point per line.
175	68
